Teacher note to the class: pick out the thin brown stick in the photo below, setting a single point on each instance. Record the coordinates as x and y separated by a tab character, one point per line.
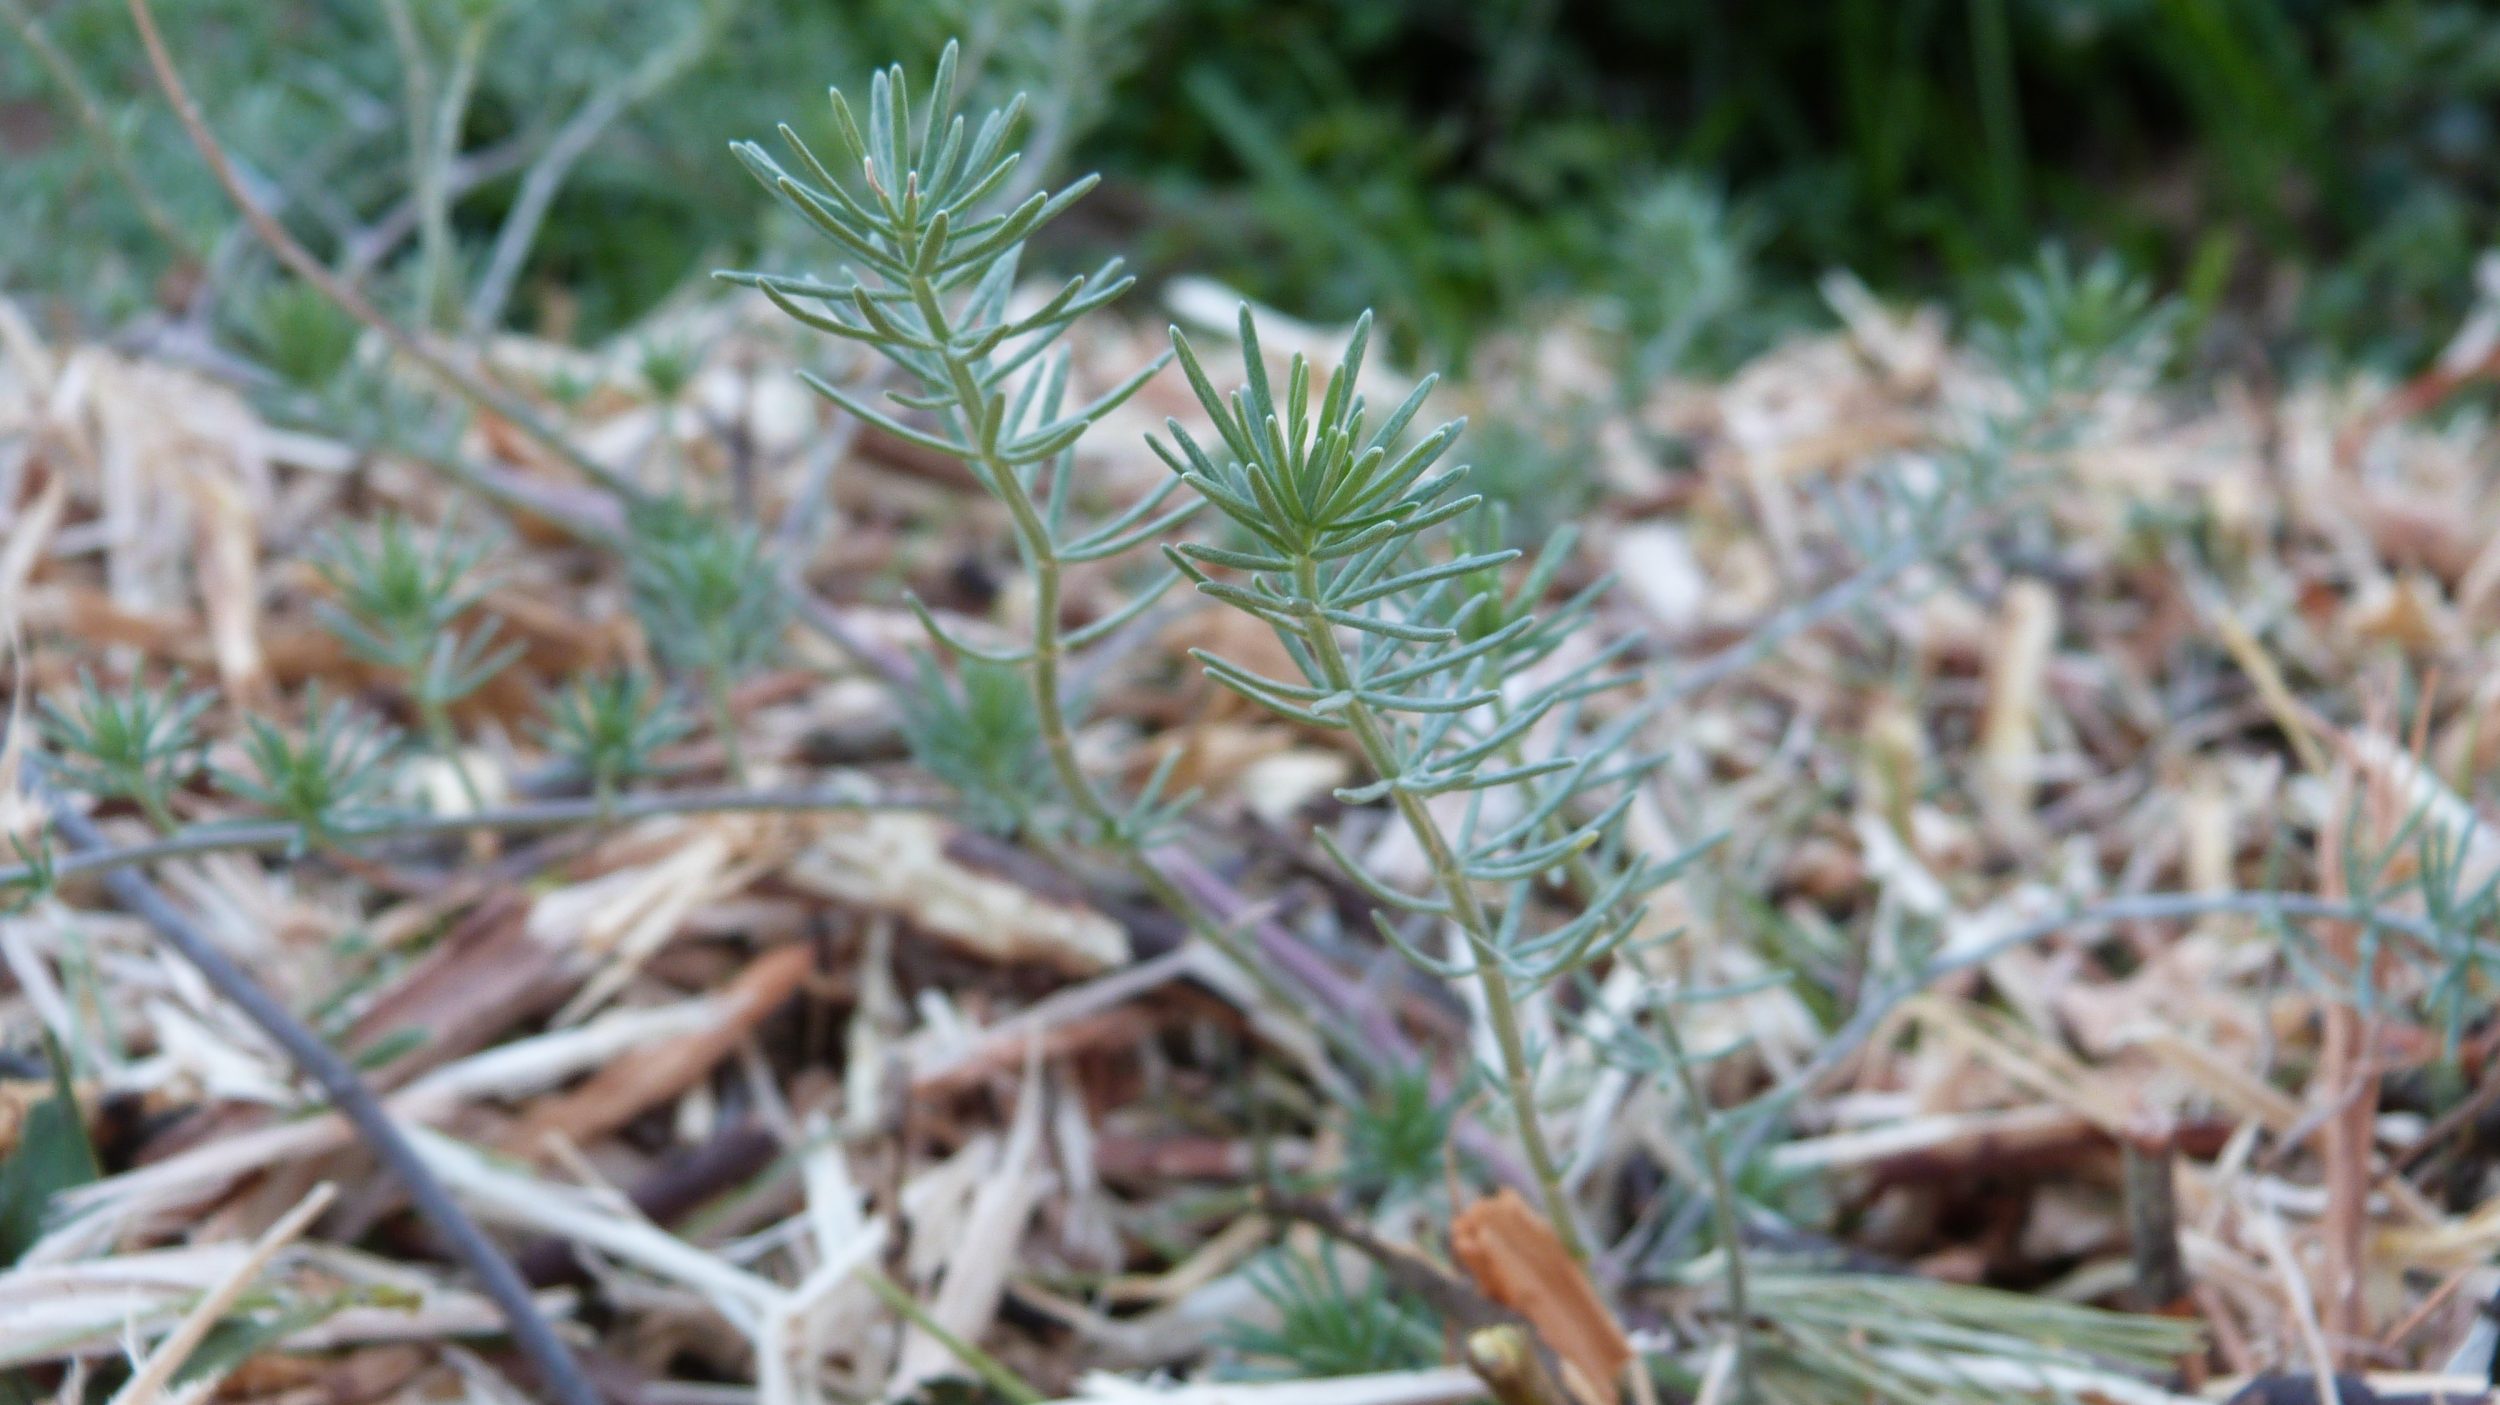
2161	1275
466	384
558	1372
82	101
2449	1124
2350	1087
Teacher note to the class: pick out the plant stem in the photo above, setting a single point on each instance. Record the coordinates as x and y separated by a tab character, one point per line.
558	1372
992	1371
1501	1005
160	816
417	102
1041	554
725	722
468	385
1722	1187
434	269
279	836
446	743
1722	1208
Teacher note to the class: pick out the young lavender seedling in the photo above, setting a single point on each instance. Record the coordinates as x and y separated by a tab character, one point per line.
139	745
929	289
609	727
328	776
708	602
399	604
1411	648
927	281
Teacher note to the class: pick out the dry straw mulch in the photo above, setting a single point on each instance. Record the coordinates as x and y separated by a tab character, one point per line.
699	1069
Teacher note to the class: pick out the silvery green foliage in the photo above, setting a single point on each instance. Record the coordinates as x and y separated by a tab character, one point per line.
610	726
1694	255
930	276
1408	644
37	875
1398	1140
1324	1326
1076	53
704	589
2437	969
2070	333
668	367
302	336
399	605
928	273
140	743
978	734
2063	342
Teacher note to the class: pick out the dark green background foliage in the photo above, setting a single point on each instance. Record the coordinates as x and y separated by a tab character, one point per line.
2306	169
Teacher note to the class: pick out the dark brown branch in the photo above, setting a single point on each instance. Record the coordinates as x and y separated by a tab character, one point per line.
558	1372
2161	1274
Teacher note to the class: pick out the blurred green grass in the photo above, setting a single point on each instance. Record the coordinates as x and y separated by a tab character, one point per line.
2308	173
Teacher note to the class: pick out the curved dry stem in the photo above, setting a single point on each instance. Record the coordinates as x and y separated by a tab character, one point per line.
469	386
558	1372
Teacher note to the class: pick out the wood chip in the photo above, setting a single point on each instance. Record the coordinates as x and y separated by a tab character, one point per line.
1515	1257
900	863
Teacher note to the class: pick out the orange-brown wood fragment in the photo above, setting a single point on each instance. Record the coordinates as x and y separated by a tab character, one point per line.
1518	1261
624	1090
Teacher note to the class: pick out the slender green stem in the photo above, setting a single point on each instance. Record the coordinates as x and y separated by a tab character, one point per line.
417	97
1722	1208
1049	649
1500	1004
434	271
151	801
436	719
1585	882
996	1373
1059	743
725	722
